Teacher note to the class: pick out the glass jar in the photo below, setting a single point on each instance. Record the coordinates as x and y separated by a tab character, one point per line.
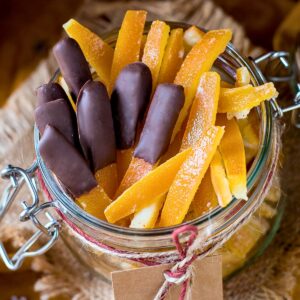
107	247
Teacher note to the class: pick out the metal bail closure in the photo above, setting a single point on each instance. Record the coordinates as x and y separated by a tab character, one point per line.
49	227
281	67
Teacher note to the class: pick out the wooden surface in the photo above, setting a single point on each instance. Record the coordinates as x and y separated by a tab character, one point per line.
28	32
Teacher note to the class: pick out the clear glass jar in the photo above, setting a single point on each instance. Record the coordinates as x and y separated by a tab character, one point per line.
82	232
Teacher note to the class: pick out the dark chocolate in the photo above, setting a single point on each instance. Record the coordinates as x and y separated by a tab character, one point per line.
166	104
58	114
49	92
129	101
72	64
65	162
95	125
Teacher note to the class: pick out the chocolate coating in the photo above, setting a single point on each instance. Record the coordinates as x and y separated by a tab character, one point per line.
66	162
95	125
58	114
129	101
166	104
49	92
72	64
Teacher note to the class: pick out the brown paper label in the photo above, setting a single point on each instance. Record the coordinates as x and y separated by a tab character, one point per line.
143	283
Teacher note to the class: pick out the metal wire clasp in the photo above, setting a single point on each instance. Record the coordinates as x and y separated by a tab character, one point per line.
279	67
49	227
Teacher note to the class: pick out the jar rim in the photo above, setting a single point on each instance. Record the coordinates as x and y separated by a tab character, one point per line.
236	206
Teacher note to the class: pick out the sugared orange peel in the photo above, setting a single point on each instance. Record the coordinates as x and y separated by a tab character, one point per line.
233	154
204	109
242	77
173	57
155	137
146	218
219	180
189	177
199	60
128	44
64	85
155	48
96	134
142	193
129	100
205	199
191	37
97	52
238	101
71	169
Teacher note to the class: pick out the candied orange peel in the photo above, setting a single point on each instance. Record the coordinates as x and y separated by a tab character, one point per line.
189	177
219	180
173	57
129	42
242	77
155	48
97	52
192	36
107	178
233	154
235	100
204	109
146	190
94	202
199	60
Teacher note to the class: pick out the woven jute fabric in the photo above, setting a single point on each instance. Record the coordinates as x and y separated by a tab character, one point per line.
272	276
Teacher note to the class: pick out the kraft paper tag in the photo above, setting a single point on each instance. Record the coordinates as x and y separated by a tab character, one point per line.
143	283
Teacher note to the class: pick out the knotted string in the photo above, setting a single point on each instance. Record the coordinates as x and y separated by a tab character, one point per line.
180	273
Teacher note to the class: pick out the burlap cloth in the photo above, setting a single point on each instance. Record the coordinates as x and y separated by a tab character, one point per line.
272	276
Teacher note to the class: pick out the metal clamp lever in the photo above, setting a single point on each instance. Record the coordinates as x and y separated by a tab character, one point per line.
18	177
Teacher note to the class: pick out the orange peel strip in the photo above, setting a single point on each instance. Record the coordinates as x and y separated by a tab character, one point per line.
155	48
128	43
205	199
143	192
97	52
242	77
233	154
191	37
219	180
137	169
124	158
244	98
173	57
199	60
146	218
94	202
107	178
204	109
189	177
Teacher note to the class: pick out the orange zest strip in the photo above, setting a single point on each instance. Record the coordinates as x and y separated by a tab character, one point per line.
204	109
233	154
107	178
94	202
137	169
143	192
191	37
173	57
98	53
205	199
155	48
124	158
63	84
128	43
242	77
146	218
244	98
199	60
219	180
189	177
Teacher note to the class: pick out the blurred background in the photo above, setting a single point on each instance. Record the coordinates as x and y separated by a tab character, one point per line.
30	28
